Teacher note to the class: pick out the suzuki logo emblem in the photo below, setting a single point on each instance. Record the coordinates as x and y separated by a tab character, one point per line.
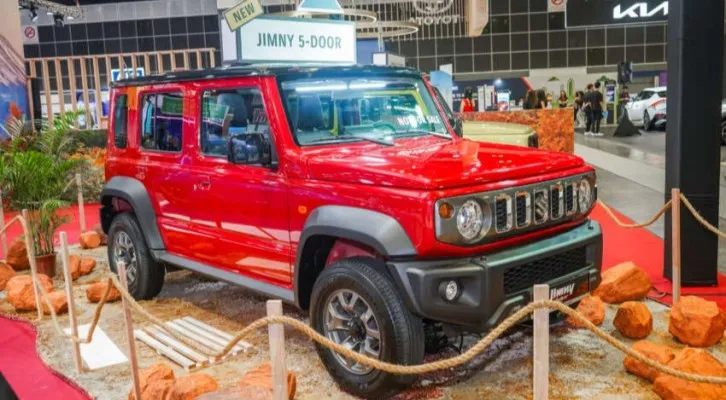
639	10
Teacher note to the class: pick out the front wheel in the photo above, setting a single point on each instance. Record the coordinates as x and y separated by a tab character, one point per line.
356	305
723	132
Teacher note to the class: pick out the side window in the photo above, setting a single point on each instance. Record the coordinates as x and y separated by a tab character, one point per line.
120	122
228	112
161	121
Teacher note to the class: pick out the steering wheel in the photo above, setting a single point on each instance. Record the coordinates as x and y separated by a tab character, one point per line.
384	124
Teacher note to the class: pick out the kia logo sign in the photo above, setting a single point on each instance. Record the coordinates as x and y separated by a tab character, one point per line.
615	12
639	10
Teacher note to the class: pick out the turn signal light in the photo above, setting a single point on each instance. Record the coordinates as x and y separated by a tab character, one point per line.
446	210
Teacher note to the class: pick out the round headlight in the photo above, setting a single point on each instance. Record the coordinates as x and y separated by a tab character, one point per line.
584	195
469	220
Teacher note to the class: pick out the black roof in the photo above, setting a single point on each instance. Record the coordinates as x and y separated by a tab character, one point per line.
285	71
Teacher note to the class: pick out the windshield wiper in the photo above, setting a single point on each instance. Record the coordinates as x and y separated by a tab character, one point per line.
425	132
339	139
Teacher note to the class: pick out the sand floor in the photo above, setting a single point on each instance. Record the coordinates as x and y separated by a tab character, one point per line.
582	366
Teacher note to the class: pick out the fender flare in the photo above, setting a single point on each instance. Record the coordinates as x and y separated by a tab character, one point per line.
134	192
379	231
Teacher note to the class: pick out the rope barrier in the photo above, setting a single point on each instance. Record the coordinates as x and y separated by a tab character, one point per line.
700	218
650	222
385	366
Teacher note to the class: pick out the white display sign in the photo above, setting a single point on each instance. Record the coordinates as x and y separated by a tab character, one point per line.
270	39
30	34
556	5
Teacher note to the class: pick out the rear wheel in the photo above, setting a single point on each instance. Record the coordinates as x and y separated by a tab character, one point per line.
647	123
723	132
126	243
356	305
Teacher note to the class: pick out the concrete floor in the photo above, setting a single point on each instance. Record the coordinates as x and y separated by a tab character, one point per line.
631	177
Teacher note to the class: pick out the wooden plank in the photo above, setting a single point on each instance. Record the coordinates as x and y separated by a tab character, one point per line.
199	60
173	61
97	84
164	350
277	351
29	93
81	210
186	60
72	84
212	62
133	361
108	72
59	87
224	335
541	343
147	64
65	258
46	89
209	335
159	63
33	69
177	345
30	248
134	65
84	86
676	243
204	341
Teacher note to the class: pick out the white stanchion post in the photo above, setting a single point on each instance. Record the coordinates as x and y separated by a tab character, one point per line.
3	236
81	211
676	243
129	331
277	351
30	248
541	342
65	257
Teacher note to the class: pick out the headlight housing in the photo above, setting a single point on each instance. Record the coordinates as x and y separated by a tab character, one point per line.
479	218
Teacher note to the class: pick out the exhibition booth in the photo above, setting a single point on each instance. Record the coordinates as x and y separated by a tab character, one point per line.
170	202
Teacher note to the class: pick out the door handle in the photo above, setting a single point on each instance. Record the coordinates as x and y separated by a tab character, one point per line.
204	183
140	173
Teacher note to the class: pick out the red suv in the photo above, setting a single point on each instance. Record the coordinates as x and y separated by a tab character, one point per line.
343	191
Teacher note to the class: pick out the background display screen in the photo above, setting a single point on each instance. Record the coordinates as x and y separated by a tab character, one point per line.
583	13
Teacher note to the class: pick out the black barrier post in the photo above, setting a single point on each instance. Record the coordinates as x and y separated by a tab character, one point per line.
693	141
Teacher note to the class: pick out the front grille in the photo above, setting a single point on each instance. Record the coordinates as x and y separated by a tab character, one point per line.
500	205
522	210
556	201
544	270
570	203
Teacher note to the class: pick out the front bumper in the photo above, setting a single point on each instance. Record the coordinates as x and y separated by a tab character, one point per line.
492	287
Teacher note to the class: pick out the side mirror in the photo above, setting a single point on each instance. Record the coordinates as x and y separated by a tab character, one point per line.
458	126
249	148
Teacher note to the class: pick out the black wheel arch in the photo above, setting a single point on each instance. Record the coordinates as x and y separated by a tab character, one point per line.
381	232
134	193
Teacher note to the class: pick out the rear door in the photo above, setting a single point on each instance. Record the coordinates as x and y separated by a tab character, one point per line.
250	201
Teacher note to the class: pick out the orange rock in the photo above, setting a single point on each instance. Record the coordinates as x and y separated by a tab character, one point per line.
156	373
697	322
104	238
592	308
695	361
17	255
191	386
90	240
58	301
95	292
20	291
75	266
656	352
6	272
623	282
262	377
633	320
87	265
158	390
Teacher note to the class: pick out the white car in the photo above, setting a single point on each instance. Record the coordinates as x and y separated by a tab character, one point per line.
648	108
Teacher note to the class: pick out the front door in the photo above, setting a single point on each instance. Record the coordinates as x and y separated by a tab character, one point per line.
250	201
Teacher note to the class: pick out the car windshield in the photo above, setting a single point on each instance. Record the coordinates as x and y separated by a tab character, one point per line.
380	109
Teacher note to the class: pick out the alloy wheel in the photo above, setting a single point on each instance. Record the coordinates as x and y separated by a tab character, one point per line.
646	121
124	251
723	131
349	321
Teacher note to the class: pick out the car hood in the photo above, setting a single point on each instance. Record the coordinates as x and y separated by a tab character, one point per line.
432	163
495	128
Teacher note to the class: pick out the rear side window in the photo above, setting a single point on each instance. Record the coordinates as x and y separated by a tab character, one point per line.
120	119
231	112
161	121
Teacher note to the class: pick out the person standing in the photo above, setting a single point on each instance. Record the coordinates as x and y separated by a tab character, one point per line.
531	100
623	101
596	105
541	99
467	103
562	100
579	103
588	109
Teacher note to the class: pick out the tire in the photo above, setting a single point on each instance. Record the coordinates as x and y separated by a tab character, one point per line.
647	123
401	333
723	131
146	280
